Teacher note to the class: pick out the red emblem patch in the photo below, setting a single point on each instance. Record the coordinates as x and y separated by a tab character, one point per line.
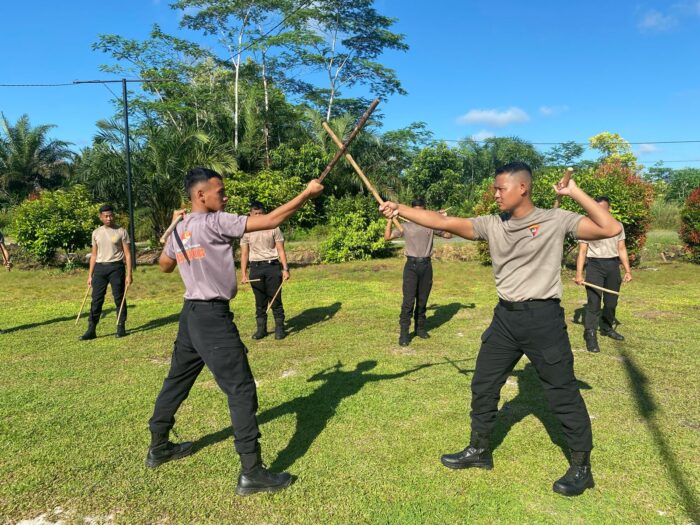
534	229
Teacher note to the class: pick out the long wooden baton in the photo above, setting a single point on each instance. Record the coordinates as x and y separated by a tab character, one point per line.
359	172
170	230
82	305
600	288
567	178
360	124
274	297
121	308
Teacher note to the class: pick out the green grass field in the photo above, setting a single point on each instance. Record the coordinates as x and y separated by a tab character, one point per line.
361	421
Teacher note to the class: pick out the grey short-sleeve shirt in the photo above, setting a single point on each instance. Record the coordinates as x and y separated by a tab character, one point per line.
263	244
526	253
206	265
109	243
419	239
605	248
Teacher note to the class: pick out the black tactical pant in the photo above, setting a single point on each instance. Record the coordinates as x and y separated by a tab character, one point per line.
208	336
538	330
605	273
270	275
113	274
417	282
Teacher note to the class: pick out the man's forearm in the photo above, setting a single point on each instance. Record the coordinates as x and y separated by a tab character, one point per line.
427	218
282	255
580	263
624	259
282	213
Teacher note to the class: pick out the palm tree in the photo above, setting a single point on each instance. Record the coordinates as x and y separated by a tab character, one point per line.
29	160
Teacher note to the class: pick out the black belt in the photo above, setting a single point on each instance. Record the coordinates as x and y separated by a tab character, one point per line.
418	259
120	263
603	259
264	263
207	301
532	304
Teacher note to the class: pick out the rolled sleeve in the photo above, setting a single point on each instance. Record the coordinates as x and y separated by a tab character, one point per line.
480	225
277	235
229	225
569	221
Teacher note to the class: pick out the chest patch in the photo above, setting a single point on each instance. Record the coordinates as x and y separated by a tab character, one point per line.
534	229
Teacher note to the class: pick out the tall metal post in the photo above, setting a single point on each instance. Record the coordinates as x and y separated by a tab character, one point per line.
128	175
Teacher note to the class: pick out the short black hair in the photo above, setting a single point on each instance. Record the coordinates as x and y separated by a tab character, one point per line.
197	175
513	167
418	201
106	207
257	205
602	198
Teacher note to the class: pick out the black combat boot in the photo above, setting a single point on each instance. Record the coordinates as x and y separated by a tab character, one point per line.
579	476
477	454
121	330
612	334
262	328
161	450
89	334
254	477
591	341
404	337
420	329
279	328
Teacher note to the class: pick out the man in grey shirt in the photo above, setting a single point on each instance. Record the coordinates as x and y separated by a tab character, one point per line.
417	273
200	247
526	245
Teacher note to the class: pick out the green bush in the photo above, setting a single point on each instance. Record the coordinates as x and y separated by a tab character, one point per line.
61	219
356	230
630	201
690	225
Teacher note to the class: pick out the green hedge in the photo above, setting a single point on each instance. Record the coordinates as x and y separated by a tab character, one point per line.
690	225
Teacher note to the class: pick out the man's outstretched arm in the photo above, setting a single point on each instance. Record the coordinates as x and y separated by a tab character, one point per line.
430	219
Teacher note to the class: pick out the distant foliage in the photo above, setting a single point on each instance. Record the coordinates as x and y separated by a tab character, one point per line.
690	225
56	220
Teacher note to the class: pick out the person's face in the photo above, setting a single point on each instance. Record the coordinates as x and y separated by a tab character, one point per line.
213	194
107	218
604	205
509	191
254	211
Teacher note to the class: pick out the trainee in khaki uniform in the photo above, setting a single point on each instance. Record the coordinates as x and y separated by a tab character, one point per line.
200	247
417	273
526	246
602	261
7	263
110	252
264	251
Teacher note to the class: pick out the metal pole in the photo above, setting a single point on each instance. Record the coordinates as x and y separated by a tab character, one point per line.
128	176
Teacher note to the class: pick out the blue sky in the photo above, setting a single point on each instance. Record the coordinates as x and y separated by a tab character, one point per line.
544	71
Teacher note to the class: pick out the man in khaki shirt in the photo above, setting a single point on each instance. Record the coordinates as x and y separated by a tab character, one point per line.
264	252
110	264
526	247
602	261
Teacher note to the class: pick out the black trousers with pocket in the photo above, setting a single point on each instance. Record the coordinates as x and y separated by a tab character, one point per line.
538	330
270	275
605	273
114	275
417	283
208	336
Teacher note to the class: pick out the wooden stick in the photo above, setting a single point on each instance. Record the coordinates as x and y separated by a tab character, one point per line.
252	281
121	308
170	230
360	124
274	297
359	172
600	288
82	305
567	178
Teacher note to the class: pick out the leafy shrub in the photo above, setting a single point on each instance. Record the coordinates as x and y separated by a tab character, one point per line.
630	201
61	219
690	225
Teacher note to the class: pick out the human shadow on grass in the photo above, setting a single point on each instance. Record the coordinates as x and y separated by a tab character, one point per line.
156	323
46	322
312	316
647	408
315	410
443	313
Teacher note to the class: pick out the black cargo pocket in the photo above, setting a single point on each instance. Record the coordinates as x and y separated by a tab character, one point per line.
552	354
487	333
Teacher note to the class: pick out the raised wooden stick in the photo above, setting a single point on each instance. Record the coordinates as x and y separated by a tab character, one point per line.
170	230
600	288
274	297
567	178
82	305
360	124
121	308
252	281
359	172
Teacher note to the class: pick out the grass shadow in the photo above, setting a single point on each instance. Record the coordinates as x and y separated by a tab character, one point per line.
443	313
61	319
647	408
312	316
156	323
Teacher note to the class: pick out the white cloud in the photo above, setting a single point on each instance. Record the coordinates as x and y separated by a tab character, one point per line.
483	135
647	148
494	118
657	22
550	111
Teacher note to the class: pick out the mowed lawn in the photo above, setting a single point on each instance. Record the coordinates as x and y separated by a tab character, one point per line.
361	421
